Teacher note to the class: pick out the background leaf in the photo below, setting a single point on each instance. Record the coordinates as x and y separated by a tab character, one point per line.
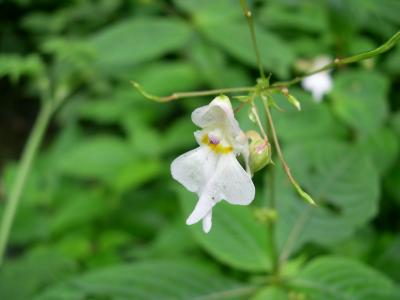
276	55
127	43
236	239
360	99
149	280
342	181
33	270
340	278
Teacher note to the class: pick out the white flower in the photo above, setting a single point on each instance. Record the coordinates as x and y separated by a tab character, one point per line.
212	170
318	84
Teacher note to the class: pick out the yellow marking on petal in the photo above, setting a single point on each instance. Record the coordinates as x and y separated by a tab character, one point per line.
217	148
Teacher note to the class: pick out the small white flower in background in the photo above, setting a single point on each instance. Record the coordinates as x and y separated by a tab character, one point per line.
321	83
212	170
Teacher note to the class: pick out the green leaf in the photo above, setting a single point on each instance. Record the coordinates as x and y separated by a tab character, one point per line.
378	17
98	157
315	120
271	293
128	176
110	160
181	77
388	260
383	147
16	66
392	186
113	107
210	11
395	122
307	17
213	65
135	41
235	39
151	280
104	111
392	63
172	241
344	184
359	99
336	278
235	239
81	209
21	278
179	135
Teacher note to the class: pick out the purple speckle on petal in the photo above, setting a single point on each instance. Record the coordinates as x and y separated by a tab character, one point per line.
213	139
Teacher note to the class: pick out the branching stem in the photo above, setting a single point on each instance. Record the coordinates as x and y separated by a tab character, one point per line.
344	61
277	85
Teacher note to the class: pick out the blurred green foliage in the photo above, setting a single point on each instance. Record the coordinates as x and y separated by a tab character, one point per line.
101	217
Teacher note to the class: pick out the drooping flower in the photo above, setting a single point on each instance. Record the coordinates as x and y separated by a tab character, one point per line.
212	170
320	83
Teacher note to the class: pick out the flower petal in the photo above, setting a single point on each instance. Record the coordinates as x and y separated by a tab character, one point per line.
231	182
218	113
318	84
207	222
193	169
241	145
201	210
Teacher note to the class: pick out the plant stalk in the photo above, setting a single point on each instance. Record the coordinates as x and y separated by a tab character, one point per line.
250	22
271	205
271	222
286	168
24	167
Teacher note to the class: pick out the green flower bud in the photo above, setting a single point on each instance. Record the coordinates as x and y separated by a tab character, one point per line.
260	151
292	99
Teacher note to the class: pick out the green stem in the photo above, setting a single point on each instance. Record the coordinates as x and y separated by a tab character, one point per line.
286	168
271	223
249	17
344	61
25	165
176	96
277	85
254	110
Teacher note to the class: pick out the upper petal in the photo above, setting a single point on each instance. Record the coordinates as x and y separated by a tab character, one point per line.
218	113
193	169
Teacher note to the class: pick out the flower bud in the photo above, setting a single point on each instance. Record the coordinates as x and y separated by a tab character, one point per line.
260	151
292	100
